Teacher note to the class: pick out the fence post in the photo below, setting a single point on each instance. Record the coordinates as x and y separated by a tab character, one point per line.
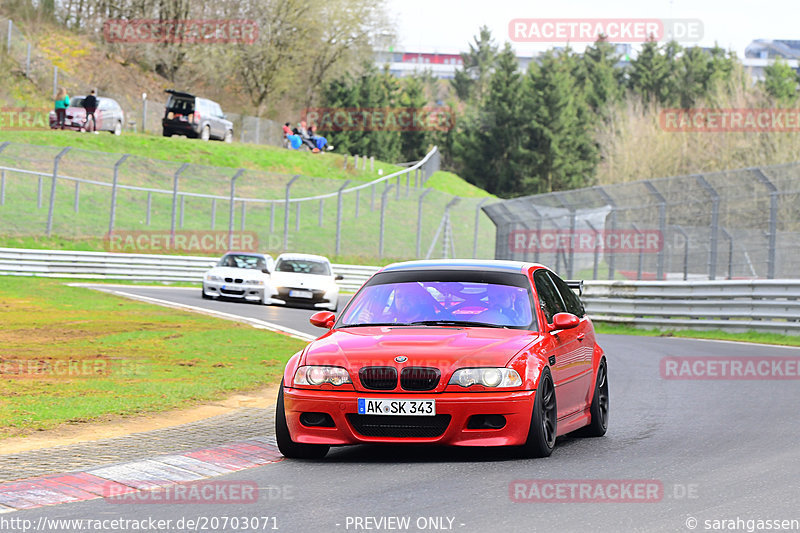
39	187
596	248
272	217
397	190
244	216
113	211
662	225
364	163
355	162
685	252
372	164
10	29
773	219
258	130
144	112
345	161
174	202
183	206
3	146
339	215
384	197
77	196
53	190
320	211
712	252
149	207
297	216
419	221
213	213
571	263
477	219
641	252
613	215
286	213
232	207
730	251
358	200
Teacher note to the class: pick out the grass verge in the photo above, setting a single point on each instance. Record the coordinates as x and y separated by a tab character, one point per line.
749	336
74	355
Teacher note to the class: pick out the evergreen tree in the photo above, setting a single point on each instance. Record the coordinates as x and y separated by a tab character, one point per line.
471	81
780	81
598	76
559	151
650	73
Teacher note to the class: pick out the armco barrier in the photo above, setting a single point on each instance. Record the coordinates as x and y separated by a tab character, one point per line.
737	305
132	267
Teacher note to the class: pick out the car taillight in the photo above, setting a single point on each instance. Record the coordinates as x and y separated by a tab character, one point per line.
196	118
170	115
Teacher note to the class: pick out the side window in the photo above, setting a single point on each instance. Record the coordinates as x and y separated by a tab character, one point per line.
571	300
549	299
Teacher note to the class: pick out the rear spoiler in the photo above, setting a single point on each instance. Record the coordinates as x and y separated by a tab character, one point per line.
575	285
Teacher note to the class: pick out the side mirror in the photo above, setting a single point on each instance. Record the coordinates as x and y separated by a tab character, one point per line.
339	277
565	321
265	270
323	319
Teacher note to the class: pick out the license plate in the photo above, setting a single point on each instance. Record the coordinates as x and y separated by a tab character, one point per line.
301	294
371	406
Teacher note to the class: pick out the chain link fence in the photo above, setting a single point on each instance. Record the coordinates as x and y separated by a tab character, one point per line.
738	224
78	193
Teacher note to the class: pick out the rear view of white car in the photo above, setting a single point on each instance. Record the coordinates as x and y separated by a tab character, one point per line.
240	275
304	280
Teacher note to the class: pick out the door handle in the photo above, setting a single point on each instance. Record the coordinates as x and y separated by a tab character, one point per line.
581	336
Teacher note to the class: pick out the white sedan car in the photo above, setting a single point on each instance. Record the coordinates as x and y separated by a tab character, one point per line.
240	275
304	279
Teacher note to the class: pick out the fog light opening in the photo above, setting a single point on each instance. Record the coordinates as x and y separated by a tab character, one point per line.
321	420
486	422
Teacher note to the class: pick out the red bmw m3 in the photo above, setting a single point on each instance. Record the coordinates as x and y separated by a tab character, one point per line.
460	353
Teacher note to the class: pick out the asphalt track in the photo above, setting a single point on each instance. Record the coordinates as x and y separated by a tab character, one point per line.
718	449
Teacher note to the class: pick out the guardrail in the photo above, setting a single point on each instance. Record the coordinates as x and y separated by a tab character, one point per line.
737	305
133	267
771	306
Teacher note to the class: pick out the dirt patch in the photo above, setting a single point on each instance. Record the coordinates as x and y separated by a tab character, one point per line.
116	426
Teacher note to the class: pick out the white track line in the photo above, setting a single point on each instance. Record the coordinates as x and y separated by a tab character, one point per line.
256	323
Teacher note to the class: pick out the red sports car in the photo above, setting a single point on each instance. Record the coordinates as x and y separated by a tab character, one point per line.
463	353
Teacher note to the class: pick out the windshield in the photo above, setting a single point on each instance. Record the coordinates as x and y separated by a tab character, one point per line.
441	303
243	261
303	266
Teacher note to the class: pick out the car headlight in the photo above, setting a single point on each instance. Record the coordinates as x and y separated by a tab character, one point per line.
211	277
488	377
319	375
253	282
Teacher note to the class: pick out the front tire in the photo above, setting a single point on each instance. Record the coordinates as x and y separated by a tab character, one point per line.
228	136
205	296
544	423
599	408
288	447
117	128
206	133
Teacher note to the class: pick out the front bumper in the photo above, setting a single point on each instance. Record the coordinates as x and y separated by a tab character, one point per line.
319	299
238	291
516	407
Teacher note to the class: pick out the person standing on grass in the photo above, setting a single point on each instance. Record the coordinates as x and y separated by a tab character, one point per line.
61	104
90	105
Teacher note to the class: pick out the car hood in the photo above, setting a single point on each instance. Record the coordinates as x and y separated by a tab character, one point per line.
306	281
445	348
242	273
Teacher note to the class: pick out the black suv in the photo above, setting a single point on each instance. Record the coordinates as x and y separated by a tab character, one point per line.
186	114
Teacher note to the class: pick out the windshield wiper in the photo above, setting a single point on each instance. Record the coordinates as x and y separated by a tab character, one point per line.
374	324
457	323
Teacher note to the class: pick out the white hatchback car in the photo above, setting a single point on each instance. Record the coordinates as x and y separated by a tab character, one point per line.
240	275
304	279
